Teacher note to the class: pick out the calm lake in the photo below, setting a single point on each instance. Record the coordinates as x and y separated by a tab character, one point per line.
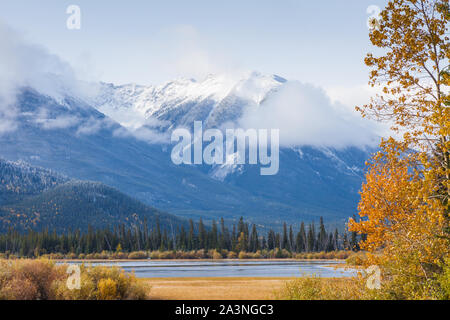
233	268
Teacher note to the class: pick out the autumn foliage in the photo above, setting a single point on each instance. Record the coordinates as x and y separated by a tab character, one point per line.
404	209
44	280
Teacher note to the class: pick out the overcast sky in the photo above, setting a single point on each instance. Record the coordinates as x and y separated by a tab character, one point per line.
149	42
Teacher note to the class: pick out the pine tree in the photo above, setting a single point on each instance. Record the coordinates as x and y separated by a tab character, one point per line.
291	239
254	245
202	237
191	238
345	242
311	242
271	240
336	239
301	239
285	241
214	243
322	237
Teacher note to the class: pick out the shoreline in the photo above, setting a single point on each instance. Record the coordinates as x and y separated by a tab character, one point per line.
189	260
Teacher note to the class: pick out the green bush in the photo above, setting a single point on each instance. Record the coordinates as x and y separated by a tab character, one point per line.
444	281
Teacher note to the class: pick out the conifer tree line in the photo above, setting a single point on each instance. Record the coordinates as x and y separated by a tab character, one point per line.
241	238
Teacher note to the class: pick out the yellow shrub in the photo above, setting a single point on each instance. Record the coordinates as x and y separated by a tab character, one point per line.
243	255
107	289
357	259
43	280
138	255
216	255
28	279
315	288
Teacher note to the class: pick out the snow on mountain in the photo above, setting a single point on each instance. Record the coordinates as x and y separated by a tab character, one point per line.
76	139
214	100
221	171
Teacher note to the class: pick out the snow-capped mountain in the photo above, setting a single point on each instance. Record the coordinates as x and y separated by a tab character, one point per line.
307	173
79	138
215	100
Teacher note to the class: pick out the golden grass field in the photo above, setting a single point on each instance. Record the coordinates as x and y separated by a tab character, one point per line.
214	288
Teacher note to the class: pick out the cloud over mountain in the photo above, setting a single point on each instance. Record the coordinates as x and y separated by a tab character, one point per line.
23	64
305	115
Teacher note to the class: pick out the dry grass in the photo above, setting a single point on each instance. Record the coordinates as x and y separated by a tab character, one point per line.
214	288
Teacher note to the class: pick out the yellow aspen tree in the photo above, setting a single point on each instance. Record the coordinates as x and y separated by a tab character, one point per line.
404	203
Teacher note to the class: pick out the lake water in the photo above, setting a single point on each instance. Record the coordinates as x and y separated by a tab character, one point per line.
231	268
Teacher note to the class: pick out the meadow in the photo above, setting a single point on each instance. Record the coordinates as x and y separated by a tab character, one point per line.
214	288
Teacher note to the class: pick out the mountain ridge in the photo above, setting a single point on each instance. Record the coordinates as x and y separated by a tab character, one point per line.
205	100
77	139
48	200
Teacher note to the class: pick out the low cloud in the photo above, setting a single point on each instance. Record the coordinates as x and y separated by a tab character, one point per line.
92	126
305	115
145	134
58	123
22	65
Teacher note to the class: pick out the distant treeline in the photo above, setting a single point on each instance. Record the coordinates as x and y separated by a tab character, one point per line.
241	238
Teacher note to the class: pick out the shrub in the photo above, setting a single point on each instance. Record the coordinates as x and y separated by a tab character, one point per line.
257	255
166	255
137	255
104	283
444	281
200	254
53	256
343	254
357	259
154	255
107	289
216	255
119	255
43	280
285	254
243	255
72	256
28	279
315	288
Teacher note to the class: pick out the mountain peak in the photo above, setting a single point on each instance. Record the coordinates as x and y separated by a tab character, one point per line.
215	99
